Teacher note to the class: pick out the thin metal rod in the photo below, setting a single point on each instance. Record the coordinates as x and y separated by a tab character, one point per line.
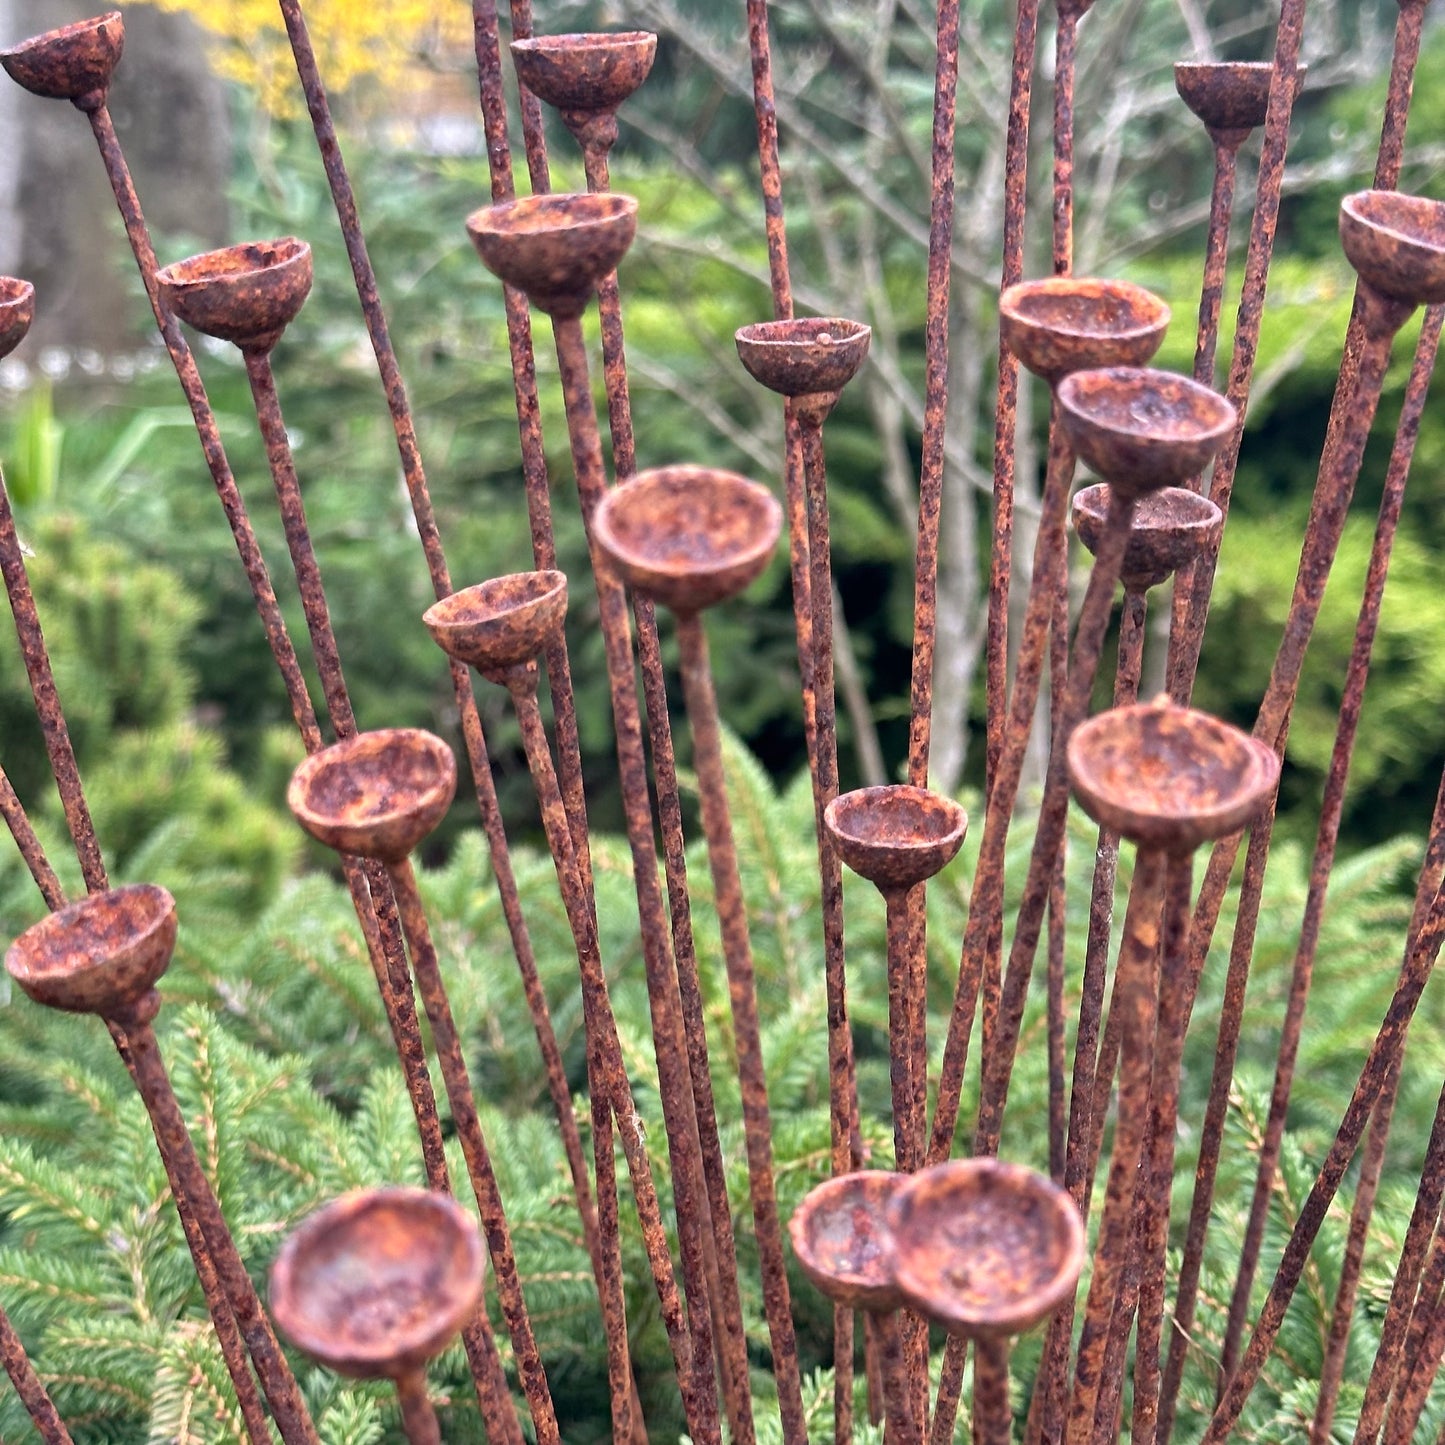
1053	814
1057	910
376	906
1424	1346
452	1060
188	1181
902	1423
534	136
1338	471
66	772
606	1065
27	1385
983	928
418	1418
935	394
702	715
992	1414
1046	1408
1383	1057
31	849
1178	989
726	1298
529	421
1015	201
1191	593
1135	1000
48	710
674	1080
1405	1283
1065	50
1216	255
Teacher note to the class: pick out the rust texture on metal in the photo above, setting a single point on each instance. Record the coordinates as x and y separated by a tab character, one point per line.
935	394
58	746
376	1284
104	955
1384	1056
31	849
17	311
28	1386
692	537
1015	197
503	252
73	63
1190	606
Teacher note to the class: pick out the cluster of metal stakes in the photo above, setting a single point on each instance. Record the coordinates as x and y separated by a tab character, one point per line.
376	1284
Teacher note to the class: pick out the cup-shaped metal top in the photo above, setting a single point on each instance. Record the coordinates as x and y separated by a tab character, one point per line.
379	1281
1169	777
248	293
70	63
895	836
1065	323
555	248
1169	530
1397	244
377	794
688	536
1142	429
1229	95
17	311
985	1249
98	956
804	356
587	74
842	1240
498	624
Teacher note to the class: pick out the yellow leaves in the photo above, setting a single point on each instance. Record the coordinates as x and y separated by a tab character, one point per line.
391	43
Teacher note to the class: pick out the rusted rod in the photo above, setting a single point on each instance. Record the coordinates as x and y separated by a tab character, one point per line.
452	1061
722	856
188	1181
29	1388
48	710
31	849
1015	199
699	1390
529	418
935	396
726	1299
1383	1057
1405	1283
1424	1346
1065	50
1186	630
67	776
1135	998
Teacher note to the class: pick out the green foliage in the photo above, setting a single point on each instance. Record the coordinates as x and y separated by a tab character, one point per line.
282	1060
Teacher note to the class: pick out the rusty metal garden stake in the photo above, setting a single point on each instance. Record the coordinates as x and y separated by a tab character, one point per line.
554	248
247	294
691	537
810	361
897	838
500	627
1015	198
1168	779
377	795
1142	430
1232	99
1070	12
1384	1056
587	77
1053	327
75	63
376	1284
841	1238
1168	528
987	1251
29	1388
1397	245
104	955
